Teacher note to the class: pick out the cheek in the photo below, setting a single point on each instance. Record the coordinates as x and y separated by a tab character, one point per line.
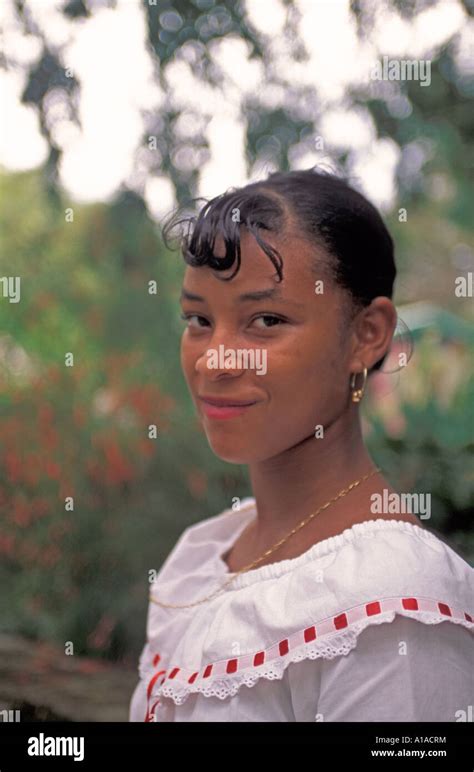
311	363
308	379
187	357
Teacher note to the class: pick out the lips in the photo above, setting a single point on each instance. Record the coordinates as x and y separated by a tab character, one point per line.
227	402
230	407
229	411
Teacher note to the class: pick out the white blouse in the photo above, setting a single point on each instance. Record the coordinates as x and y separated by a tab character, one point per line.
373	624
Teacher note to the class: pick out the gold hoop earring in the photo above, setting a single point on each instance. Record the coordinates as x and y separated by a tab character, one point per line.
357	394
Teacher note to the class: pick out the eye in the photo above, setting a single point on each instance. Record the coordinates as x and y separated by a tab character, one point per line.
275	320
271	318
187	318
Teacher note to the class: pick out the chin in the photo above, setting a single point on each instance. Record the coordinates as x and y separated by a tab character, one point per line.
230	452
231	456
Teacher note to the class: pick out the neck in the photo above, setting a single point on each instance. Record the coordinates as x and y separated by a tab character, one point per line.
295	483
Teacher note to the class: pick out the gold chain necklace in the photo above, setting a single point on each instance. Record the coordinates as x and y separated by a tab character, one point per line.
341	493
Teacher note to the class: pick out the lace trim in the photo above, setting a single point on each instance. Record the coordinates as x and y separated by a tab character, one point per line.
328	638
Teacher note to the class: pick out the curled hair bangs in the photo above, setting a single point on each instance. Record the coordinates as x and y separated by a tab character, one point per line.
224	216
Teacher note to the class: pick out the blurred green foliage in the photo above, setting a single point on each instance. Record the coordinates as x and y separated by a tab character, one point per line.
82	431
432	126
426	445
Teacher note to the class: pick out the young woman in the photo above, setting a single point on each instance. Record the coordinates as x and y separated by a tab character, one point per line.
305	601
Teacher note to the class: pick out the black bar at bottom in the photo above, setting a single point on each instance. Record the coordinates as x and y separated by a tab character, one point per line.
41	745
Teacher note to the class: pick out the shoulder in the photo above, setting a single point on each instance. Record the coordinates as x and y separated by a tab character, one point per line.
371	573
200	545
219	525
401	647
381	557
402	671
393	547
314	607
400	566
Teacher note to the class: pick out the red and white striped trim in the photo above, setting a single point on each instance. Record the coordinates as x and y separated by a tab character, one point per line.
426	609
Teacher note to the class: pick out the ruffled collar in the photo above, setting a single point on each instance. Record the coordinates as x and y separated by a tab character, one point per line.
318	550
317	606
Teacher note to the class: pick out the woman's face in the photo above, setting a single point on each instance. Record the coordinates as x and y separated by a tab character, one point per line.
295	369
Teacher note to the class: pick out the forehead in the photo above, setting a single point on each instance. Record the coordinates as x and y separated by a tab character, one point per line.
257	271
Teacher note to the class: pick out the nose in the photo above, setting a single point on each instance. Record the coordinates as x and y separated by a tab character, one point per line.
219	358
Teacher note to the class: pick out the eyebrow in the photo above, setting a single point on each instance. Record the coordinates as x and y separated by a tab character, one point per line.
273	293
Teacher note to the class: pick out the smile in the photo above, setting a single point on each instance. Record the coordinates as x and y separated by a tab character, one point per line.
225	410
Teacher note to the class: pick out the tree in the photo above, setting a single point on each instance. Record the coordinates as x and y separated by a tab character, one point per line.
435	124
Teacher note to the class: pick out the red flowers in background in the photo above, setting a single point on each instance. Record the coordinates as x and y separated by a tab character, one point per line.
62	439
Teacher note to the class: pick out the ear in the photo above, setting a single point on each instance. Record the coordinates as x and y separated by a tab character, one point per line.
373	329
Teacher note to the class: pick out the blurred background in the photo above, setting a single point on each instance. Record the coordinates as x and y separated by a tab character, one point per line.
113	113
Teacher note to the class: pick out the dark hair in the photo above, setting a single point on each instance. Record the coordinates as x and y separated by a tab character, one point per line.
320	206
